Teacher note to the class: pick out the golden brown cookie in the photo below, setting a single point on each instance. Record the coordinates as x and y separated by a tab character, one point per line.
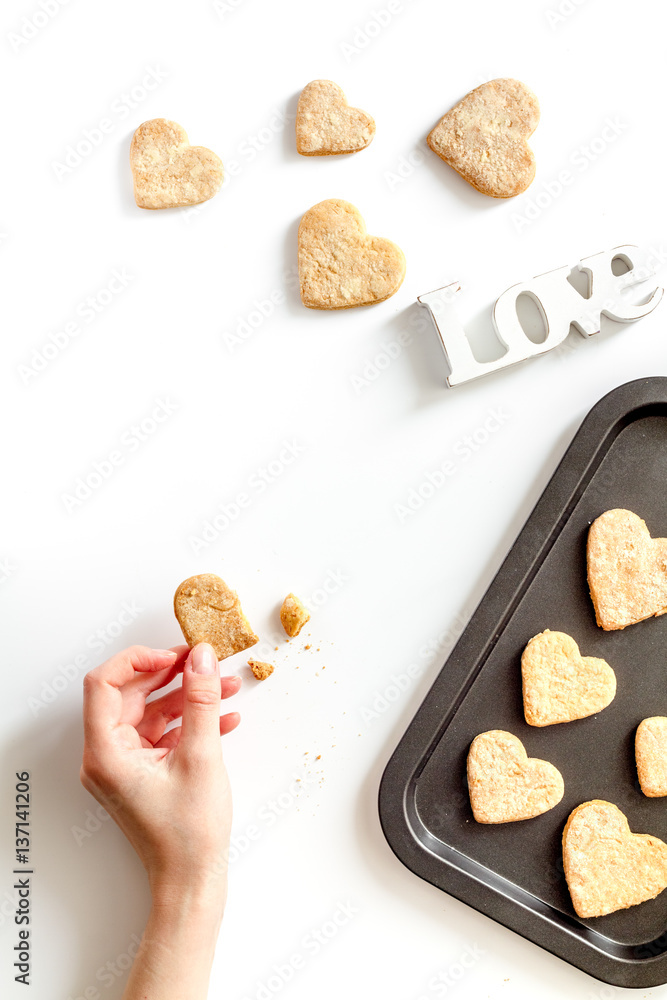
559	684
627	570
326	124
607	867
208	611
293	615
485	137
168	172
340	265
505	784
260	669
651	756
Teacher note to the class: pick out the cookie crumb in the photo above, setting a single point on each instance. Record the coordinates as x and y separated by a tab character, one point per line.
293	615
261	670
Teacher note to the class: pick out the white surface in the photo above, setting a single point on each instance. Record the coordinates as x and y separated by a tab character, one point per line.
195	276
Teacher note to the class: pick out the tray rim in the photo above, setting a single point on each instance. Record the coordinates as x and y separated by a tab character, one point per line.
614	411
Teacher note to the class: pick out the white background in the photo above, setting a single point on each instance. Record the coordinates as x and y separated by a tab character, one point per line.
407	584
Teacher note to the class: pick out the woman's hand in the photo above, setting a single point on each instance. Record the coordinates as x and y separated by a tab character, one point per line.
170	795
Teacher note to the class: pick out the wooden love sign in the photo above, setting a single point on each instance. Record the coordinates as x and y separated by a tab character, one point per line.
559	303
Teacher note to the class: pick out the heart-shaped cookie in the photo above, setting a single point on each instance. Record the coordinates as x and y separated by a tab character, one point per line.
340	265
561	685
505	784
327	125
607	867
627	570
651	756
168	172
484	137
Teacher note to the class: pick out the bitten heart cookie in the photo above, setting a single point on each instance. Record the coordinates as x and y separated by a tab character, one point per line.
340	265
208	611
327	125
505	784
168	172
485	137
651	755
627	570
561	685
607	867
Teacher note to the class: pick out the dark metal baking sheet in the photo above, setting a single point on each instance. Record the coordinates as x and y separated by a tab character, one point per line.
513	872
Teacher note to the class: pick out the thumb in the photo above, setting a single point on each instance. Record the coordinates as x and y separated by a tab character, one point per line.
200	733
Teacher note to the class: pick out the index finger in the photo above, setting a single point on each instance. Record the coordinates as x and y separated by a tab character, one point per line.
102	699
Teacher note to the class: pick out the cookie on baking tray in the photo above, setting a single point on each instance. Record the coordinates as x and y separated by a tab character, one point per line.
505	784
607	867
651	756
627	570
561	685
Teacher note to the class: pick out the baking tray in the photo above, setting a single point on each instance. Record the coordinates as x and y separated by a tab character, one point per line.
513	872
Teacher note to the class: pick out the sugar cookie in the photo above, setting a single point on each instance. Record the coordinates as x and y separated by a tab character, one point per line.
627	570
484	137
607	867
340	265
561	685
505	784
208	611
168	172
651	756
326	124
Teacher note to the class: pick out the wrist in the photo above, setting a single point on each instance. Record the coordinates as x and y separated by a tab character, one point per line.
202	896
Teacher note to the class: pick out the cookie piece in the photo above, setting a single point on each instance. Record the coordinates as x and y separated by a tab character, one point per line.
607	867
327	125
561	685
261	670
651	756
485	137
627	570
505	784
340	265
208	611
293	615
168	172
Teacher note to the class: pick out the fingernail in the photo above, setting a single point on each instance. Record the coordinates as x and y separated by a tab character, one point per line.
165	652
204	660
